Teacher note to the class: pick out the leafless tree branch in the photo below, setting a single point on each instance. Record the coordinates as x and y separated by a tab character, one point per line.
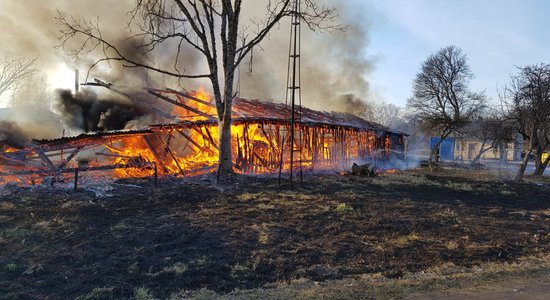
13	71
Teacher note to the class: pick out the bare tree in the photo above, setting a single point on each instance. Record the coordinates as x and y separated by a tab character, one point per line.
387	114
33	91
13	71
212	28
493	131
528	99
441	96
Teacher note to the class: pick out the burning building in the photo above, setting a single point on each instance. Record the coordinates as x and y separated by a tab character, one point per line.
186	142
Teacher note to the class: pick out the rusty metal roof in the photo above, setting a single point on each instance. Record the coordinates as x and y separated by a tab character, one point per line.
90	138
250	110
281	111
246	110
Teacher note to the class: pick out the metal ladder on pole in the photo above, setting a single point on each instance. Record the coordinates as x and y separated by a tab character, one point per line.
293	93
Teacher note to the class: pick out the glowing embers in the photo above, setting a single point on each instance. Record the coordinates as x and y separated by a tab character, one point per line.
188	151
388	171
134	153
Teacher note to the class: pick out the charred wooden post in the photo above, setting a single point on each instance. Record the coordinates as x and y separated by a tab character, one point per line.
199	147
64	162
206	137
281	161
210	137
174	158
187	107
156	177
47	162
75	179
158	159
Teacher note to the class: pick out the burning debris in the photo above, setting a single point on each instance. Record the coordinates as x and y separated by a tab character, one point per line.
368	170
188	143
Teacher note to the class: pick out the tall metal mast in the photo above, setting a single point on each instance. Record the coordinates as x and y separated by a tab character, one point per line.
293	84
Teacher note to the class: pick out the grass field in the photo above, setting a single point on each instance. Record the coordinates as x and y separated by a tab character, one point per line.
333	236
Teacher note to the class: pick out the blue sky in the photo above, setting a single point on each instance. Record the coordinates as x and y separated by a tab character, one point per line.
495	35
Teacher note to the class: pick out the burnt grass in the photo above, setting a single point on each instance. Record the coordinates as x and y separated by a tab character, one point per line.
58	244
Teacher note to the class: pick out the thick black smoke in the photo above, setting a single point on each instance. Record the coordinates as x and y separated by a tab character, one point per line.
352	104
89	113
12	134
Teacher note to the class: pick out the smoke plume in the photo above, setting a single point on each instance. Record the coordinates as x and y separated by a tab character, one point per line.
31	30
88	112
12	134
333	63
22	124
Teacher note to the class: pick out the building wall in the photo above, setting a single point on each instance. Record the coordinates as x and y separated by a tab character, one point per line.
467	150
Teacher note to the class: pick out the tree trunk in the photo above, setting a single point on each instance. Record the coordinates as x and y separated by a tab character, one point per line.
224	123
224	127
476	160
538	161
541	167
523	166
436	148
433	153
225	155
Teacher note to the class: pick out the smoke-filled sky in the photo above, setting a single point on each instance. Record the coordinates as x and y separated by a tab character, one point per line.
376	58
333	63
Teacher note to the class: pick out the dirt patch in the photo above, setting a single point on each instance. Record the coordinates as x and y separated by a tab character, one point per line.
187	236
529	287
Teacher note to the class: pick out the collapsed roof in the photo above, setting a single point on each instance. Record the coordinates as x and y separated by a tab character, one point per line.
244	110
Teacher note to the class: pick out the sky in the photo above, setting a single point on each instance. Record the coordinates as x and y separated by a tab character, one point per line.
496	36
392	37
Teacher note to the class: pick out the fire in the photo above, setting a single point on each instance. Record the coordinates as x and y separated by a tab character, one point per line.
201	101
6	167
390	171
135	154
252	144
260	142
198	149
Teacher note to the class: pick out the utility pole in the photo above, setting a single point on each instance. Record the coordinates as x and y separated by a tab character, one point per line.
293	84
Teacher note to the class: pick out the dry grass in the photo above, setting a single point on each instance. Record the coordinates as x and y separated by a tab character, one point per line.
452	245
404	240
377	286
6	205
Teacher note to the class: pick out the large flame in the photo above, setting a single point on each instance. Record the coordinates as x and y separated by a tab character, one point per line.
253	147
258	146
198	152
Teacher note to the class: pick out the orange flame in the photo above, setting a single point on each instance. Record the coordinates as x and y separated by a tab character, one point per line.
257	148
199	144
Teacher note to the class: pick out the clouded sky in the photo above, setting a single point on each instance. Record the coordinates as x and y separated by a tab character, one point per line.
496	35
392	38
